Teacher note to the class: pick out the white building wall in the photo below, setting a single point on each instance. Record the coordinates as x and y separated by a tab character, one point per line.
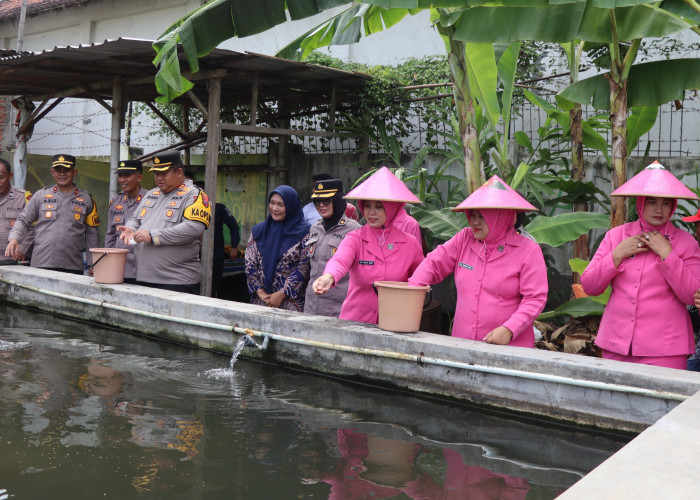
81	127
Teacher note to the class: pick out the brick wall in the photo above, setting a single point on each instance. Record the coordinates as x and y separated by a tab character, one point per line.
6	139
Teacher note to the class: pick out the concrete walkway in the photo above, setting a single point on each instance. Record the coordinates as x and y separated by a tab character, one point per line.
663	462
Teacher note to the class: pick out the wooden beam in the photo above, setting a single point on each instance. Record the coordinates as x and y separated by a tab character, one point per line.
198	104
166	120
97	98
134	81
37	115
278	132
117	108
331	111
210	171
178	145
254	99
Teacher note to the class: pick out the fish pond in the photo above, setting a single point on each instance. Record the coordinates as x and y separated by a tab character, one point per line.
90	412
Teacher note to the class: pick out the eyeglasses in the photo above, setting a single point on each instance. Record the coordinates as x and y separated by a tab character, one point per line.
322	201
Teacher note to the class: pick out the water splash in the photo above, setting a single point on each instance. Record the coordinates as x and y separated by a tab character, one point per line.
228	373
6	345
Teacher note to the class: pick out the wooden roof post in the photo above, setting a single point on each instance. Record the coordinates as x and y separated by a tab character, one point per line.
210	171
115	138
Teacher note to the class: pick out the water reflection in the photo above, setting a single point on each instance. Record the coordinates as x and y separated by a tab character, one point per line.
95	412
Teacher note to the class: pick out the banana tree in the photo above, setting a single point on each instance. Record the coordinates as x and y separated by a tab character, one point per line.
201	30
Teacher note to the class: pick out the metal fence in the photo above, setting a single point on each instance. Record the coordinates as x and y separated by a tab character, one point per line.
84	126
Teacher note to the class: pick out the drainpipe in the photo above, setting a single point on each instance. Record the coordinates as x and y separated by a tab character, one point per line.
419	359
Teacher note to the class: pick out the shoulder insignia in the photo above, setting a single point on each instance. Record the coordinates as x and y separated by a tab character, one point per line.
139	198
92	219
205	199
143	212
198	211
55	189
77	192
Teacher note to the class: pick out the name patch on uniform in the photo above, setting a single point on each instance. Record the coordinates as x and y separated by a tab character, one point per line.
465	266
367	262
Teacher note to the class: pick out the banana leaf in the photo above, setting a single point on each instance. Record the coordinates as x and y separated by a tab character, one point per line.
576	308
559	229
442	223
650	84
639	122
580	265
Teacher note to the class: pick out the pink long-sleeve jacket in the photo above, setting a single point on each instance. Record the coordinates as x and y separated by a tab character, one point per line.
646	313
360	254
409	225
507	289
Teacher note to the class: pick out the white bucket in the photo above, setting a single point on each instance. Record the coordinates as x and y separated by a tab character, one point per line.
108	264
400	305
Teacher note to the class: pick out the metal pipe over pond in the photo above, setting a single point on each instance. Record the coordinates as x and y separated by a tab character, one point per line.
584	390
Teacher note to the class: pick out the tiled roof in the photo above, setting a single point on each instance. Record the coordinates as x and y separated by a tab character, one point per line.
10	9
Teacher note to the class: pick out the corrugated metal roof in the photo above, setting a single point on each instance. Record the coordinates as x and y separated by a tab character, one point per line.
71	70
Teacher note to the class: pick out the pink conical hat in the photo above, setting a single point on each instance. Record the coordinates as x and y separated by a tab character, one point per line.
383	186
494	194
655	181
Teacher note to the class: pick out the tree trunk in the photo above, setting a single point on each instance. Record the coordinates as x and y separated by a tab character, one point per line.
618	122
581	250
466	117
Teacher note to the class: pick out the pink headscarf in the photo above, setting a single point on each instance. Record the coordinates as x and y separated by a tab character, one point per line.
641	201
392	209
500	223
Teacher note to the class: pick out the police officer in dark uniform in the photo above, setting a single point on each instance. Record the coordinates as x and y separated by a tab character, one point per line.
167	228
122	207
12	202
66	222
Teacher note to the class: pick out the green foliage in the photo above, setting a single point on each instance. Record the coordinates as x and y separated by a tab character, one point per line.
566	227
577	308
579	266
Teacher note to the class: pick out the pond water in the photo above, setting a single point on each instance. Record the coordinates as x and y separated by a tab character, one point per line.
89	412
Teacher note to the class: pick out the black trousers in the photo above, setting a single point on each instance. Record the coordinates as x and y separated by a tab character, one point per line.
193	289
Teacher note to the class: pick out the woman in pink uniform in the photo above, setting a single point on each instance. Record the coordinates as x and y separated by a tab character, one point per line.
377	251
501	277
654	269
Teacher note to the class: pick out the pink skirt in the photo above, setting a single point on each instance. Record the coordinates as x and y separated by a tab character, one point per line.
680	362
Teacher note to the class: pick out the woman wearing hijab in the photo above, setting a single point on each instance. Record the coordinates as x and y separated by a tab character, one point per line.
376	252
275	266
324	238
654	269
501	277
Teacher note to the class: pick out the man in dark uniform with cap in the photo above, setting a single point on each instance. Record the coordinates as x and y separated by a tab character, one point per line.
167	227
122	207
12	202
66	222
